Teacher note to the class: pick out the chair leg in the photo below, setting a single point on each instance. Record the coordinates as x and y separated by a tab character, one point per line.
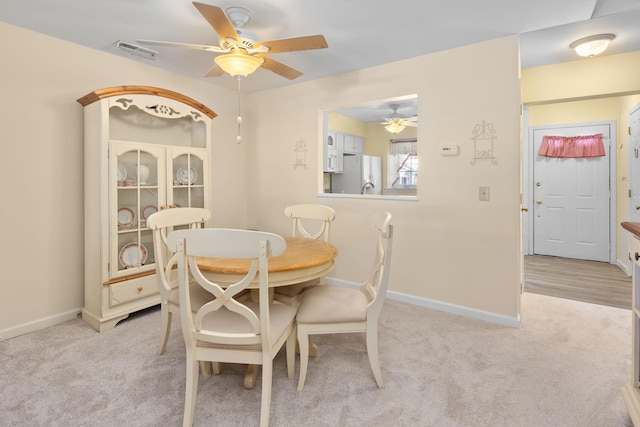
372	352
265	407
313	348
251	376
191	391
291	352
205	367
165	326
303	342
209	368
216	367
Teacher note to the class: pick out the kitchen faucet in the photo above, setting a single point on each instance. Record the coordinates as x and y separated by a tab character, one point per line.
366	185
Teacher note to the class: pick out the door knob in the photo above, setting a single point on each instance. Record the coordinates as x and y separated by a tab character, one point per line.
538	184
524	209
538	202
637	207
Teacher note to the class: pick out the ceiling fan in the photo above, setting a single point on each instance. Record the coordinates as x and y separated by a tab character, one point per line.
396	122
241	52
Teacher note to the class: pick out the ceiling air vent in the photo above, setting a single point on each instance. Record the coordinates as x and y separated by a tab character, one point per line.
136	50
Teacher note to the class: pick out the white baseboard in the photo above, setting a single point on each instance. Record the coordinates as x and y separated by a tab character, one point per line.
459	310
624	267
513	322
36	325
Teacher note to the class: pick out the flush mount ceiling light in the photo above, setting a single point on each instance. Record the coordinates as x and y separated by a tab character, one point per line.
136	50
592	45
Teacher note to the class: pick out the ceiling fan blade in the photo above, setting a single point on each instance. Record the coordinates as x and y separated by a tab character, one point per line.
295	44
218	20
215	71
184	45
280	69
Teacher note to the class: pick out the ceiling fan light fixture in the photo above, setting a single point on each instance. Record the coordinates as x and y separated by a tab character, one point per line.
592	45
395	126
238	64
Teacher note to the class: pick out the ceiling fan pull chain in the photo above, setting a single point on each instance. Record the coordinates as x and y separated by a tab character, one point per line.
239	118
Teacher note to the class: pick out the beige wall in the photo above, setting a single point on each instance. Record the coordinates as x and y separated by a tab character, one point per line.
451	251
42	167
449	247
590	90
586	78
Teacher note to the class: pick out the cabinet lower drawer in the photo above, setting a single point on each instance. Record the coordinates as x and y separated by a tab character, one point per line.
132	290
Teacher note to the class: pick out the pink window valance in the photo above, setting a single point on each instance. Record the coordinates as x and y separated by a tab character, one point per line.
572	146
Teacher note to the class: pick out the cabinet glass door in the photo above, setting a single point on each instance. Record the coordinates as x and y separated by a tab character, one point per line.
138	180
188	176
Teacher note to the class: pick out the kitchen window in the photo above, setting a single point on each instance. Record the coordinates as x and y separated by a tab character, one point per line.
403	163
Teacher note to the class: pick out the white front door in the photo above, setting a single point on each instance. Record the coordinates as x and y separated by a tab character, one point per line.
571	199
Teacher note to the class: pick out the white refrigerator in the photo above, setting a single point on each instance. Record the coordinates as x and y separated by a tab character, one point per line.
360	175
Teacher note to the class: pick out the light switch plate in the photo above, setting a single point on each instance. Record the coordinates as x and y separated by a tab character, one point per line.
484	194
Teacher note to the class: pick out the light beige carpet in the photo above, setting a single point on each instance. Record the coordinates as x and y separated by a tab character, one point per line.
564	367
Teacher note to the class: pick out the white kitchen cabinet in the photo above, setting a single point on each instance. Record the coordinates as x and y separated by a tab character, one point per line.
145	149
339	152
358	145
333	149
349	143
353	144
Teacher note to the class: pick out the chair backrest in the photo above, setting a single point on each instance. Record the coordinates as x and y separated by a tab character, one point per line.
225	320
161	224
307	216
375	287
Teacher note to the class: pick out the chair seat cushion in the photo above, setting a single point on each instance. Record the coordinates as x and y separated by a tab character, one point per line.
332	304
226	321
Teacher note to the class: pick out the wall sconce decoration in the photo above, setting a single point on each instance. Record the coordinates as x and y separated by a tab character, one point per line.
592	45
301	154
483	136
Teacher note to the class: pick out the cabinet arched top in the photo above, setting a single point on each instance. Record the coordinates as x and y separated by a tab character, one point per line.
99	94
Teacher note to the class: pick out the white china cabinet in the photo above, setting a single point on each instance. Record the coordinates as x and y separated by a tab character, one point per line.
145	149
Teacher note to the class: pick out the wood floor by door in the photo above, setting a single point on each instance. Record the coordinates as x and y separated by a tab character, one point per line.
589	281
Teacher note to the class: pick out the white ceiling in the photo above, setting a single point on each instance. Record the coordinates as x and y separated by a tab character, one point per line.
360	33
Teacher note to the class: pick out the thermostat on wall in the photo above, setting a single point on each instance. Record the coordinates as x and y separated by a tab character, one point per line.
449	150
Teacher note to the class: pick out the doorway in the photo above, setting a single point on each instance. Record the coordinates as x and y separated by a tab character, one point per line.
571	202
634	164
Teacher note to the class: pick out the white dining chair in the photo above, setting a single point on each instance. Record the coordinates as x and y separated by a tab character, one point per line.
314	222
161	224
333	309
226	329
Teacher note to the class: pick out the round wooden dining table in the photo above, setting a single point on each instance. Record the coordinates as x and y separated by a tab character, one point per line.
303	259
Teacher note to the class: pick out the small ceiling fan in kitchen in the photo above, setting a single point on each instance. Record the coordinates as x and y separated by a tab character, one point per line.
396	122
240	51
